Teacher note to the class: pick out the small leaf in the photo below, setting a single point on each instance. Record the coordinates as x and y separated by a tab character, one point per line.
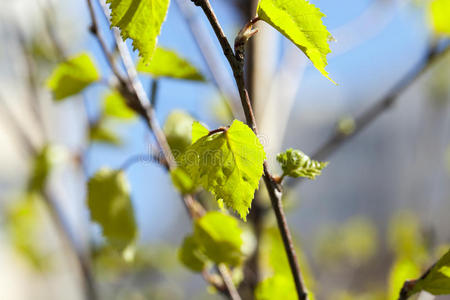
141	21
276	287
219	238
402	270
110	206
167	63
40	170
295	163
102	134
72	76
178	131
301	22
115	106
191	256
182	181
437	281
439	12
228	163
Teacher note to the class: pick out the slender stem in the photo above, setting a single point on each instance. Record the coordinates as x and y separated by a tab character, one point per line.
225	273
154	91
134	91
237	65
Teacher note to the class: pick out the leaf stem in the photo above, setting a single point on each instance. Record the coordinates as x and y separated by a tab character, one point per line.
237	65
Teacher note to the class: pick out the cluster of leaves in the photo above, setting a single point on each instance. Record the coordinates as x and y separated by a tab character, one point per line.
295	163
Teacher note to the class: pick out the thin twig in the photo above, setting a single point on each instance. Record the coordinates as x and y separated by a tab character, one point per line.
237	65
153	92
380	106
133	90
225	273
216	68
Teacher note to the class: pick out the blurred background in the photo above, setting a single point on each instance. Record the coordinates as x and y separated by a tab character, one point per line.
376	216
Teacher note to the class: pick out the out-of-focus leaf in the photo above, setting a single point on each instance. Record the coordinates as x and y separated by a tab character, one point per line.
295	163
353	243
72	76
437	281
228	163
301	22
40	170
276	287
141	21
178	130
22	221
402	270
191	255
439	12
102	134
346	125
110	206
167	63
219	238
115	106
182	181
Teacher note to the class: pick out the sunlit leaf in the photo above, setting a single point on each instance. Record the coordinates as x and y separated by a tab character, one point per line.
403	269
440	16
141	21
437	281
228	163
301	22
167	63
72	76
110	206
182	181
295	163
178	130
198	131
276	287
115	106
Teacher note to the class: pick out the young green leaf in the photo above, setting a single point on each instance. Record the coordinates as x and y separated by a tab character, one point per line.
437	280
228	163
295	163
102	134
167	63
114	106
72	76
198	131
141	21
178	131
110	206
301	22
191	255
439	12
40	170
276	287
182	181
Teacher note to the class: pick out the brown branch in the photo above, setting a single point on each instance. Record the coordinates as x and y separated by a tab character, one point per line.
380	106
132	89
237	65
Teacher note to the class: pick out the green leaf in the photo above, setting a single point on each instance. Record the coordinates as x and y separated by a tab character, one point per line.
141	21
72	76
437	281
191	255
115	106
178	131
167	63
228	163
22	225
439	12
40	170
110	206
182	181
301	22
219	238
198	131
295	163
402	270
102	134
276	287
